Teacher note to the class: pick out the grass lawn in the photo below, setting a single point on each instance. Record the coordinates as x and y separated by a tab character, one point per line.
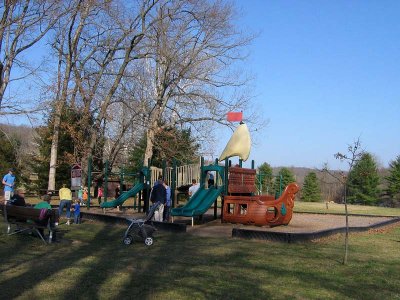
90	262
320	207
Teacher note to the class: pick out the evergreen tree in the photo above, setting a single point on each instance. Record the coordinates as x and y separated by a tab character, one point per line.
311	191
8	153
393	188
265	175
66	154
285	176
363	181
169	143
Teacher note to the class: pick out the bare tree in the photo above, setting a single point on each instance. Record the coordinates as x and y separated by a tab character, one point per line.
121	51
99	42
353	155
66	49
22	25
156	60
190	70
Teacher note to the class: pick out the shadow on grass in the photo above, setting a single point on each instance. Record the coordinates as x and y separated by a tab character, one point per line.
91	262
49	260
179	269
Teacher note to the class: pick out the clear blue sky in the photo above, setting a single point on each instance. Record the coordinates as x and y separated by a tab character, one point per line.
327	72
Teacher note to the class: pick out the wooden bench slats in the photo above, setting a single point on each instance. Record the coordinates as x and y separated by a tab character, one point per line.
26	218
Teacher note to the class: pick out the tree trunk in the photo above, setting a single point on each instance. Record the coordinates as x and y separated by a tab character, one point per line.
346	239
54	149
61	100
148	153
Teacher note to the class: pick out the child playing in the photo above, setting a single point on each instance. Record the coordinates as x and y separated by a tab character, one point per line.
85	196
99	194
80	195
77	212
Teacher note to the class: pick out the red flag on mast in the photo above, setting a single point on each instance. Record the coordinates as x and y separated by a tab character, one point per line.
234	116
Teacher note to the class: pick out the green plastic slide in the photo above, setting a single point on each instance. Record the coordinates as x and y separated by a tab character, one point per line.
123	197
199	203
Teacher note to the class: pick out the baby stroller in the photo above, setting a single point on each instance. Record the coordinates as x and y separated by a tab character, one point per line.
138	230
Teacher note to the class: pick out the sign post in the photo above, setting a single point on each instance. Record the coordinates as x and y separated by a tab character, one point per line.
76	177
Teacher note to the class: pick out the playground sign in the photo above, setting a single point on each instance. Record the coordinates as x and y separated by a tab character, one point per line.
76	176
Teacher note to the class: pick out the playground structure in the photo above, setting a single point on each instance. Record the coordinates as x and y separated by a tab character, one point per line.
236	186
139	184
205	197
175	176
242	206
239	202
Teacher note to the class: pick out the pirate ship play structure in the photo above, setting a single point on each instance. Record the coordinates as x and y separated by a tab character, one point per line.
237	187
240	204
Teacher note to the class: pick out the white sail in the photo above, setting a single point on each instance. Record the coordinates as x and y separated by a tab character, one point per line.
239	144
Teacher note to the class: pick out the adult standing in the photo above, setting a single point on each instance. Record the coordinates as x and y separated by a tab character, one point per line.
193	189
65	201
168	202
159	196
159	193
9	183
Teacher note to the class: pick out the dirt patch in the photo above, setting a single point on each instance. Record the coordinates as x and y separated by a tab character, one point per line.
300	223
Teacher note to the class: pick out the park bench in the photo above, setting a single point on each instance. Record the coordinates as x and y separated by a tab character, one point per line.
29	219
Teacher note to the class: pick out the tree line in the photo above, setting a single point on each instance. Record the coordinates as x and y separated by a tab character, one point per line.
365	184
114	74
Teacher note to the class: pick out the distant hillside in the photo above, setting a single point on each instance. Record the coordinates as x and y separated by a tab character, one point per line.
301	172
24	148
23	133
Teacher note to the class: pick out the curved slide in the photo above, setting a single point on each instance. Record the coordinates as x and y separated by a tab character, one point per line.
199	203
123	197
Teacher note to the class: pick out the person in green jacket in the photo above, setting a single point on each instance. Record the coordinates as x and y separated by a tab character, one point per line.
45	204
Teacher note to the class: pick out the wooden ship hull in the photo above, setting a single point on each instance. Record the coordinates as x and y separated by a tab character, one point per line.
260	210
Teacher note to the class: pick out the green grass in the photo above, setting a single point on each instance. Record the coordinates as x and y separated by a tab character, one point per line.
319	207
91	262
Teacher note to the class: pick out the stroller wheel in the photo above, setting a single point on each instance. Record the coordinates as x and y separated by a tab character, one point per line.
148	241
128	240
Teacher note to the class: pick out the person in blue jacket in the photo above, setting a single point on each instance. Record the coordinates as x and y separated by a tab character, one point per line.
168	202
9	183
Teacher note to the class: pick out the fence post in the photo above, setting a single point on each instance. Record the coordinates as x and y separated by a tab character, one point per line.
201	171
